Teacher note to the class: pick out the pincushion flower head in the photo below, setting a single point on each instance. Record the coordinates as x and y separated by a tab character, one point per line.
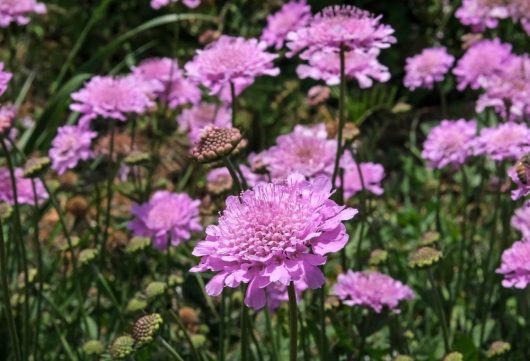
229	60
337	27
71	145
5	77
371	289
306	150
7	115
515	265
157	4
193	120
506	141
450	143
18	11
168	218
24	188
427	68
290	17
113	97
481	61
275	233
359	64
482	14
372	176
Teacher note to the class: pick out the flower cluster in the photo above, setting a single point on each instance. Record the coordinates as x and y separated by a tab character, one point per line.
275	233
18	11
24	188
169	218
427	68
290	17
71	145
371	289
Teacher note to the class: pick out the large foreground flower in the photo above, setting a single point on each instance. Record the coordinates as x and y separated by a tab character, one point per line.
233	60
338	27
276	233
5	77
113	97
450	143
371	289
169	218
24	188
427	68
506	141
18	11
515	265
71	145
290	17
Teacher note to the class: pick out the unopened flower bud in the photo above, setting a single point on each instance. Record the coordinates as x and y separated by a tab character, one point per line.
454	356
137	244
88	255
146	328
78	206
188	316
93	347
135	305
498	348
5	211
122	347
35	167
137	158
424	257
216	143
155	289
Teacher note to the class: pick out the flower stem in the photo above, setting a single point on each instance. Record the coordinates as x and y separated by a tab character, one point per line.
40	269
7	298
441	312
244	333
322	319
222	328
233	173
271	334
110	180
187	336
293	323
170	349
342	101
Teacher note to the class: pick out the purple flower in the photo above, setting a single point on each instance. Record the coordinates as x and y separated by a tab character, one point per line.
481	61
24	188
371	289
7	115
159	71
522	190
506	141
276	233
306	150
167	217
481	14
182	91
290	17
157	4
359	64
218	180
338	27
70	146
113	97
231	60
318	94
427	68
372	173
5	77
521	220
17	11
194	119
515	265
450	143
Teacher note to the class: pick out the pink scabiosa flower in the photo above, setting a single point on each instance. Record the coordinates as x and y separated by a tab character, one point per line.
482	14
5	77
481	61
318	94
450	143
182	91
70	146
372	176
113	97
306	150
231	60
522	189
218	180
169	218
7	115
24	188
371	289
427	68
506	141
275	233
194	119
290	17
359	64
521	220
515	265
158	4
159	71
18	11
338	27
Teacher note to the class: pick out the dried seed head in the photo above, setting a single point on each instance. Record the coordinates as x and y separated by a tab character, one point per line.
155	289
35	167
77	206
454	356
424	257
137	244
188	316
498	348
146	328
93	347
135	305
122	347
137	158
215	143
88	255
377	257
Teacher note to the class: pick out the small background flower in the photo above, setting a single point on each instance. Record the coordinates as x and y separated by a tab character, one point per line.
427	68
71	145
515	265
18	11
506	141
290	17
5	77
24	188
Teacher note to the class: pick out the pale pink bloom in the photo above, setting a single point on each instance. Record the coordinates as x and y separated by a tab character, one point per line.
427	68
290	17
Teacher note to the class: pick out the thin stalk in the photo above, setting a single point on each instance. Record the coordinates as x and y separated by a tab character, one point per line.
233	173
441	312
342	104
110	180
322	321
222	327
7	298
363	208
463	234
234	103
443	101
268	324
255	340
293	323
196	355
170	350
244	333
40	269
18	232
438	206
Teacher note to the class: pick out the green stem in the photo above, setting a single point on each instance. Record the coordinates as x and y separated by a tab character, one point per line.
463	238
110	180
234	103
342	104
244	333
441	312
271	334
222	327
293	323
233	173
170	349
7	298
322	320
187	336
438	206
40	269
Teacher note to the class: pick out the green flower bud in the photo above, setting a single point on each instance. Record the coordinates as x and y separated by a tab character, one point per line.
35	167
86	256
122	347
93	347
137	244
424	257
155	289
5	211
454	356
498	348
377	257
135	305
198	340
403	358
137	158
146	328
